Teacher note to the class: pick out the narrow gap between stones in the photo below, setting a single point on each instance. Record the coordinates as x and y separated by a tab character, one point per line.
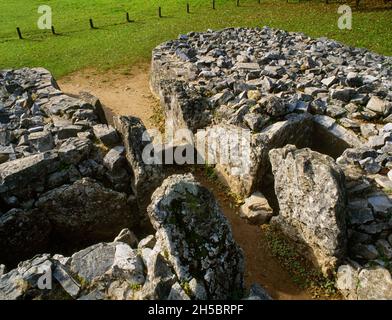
261	265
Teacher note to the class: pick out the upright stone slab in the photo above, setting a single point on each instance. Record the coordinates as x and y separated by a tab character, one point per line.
135	138
196	238
310	189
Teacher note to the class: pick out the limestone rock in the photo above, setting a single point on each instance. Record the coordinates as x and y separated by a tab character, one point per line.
102	271
128	237
87	210
257	292
379	106
256	209
310	189
195	236
106	134
27	173
135	138
374	284
104	263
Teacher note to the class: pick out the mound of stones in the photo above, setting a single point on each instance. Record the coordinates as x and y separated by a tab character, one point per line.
71	182
192	255
319	115
66	177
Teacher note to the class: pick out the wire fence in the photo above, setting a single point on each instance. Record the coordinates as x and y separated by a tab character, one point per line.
124	17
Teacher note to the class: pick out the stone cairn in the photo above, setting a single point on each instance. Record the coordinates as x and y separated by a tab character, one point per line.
320	118
70	180
319	114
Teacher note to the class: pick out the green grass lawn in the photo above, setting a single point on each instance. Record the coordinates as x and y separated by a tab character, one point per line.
117	43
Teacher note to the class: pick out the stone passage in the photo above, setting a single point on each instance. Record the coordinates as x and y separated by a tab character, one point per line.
318	114
191	256
287	88
64	179
70	182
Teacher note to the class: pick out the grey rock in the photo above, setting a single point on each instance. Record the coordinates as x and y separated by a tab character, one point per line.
198	289
353	80
360	215
256	122
303	178
160	278
256	209
368	129
350	124
376	142
335	111
329	81
384	248
67	282
114	159
380	203
106	134
74	150
247	66
347	281
374	284
344	95
87	210
147	242
378	105
383	182
370	165
114	268
27	174
147	176
256	292
274	106
68	131
23	282
177	293
328	126
5	153
222	97
190	229
128	237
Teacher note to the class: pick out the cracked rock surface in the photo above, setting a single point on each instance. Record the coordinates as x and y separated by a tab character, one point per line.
290	89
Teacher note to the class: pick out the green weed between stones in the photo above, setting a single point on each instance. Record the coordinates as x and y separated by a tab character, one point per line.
302	273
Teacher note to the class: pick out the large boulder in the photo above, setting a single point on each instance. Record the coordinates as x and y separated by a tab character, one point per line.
196	238
102	271
87	211
364	284
256	209
42	277
115	270
26	176
147	177
310	189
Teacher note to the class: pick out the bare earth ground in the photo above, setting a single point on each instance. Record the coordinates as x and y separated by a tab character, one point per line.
124	92
127	92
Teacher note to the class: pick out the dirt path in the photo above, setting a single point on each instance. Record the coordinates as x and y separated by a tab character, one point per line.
128	93
261	266
124	92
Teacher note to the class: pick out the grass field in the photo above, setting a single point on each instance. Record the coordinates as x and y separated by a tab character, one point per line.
117	43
